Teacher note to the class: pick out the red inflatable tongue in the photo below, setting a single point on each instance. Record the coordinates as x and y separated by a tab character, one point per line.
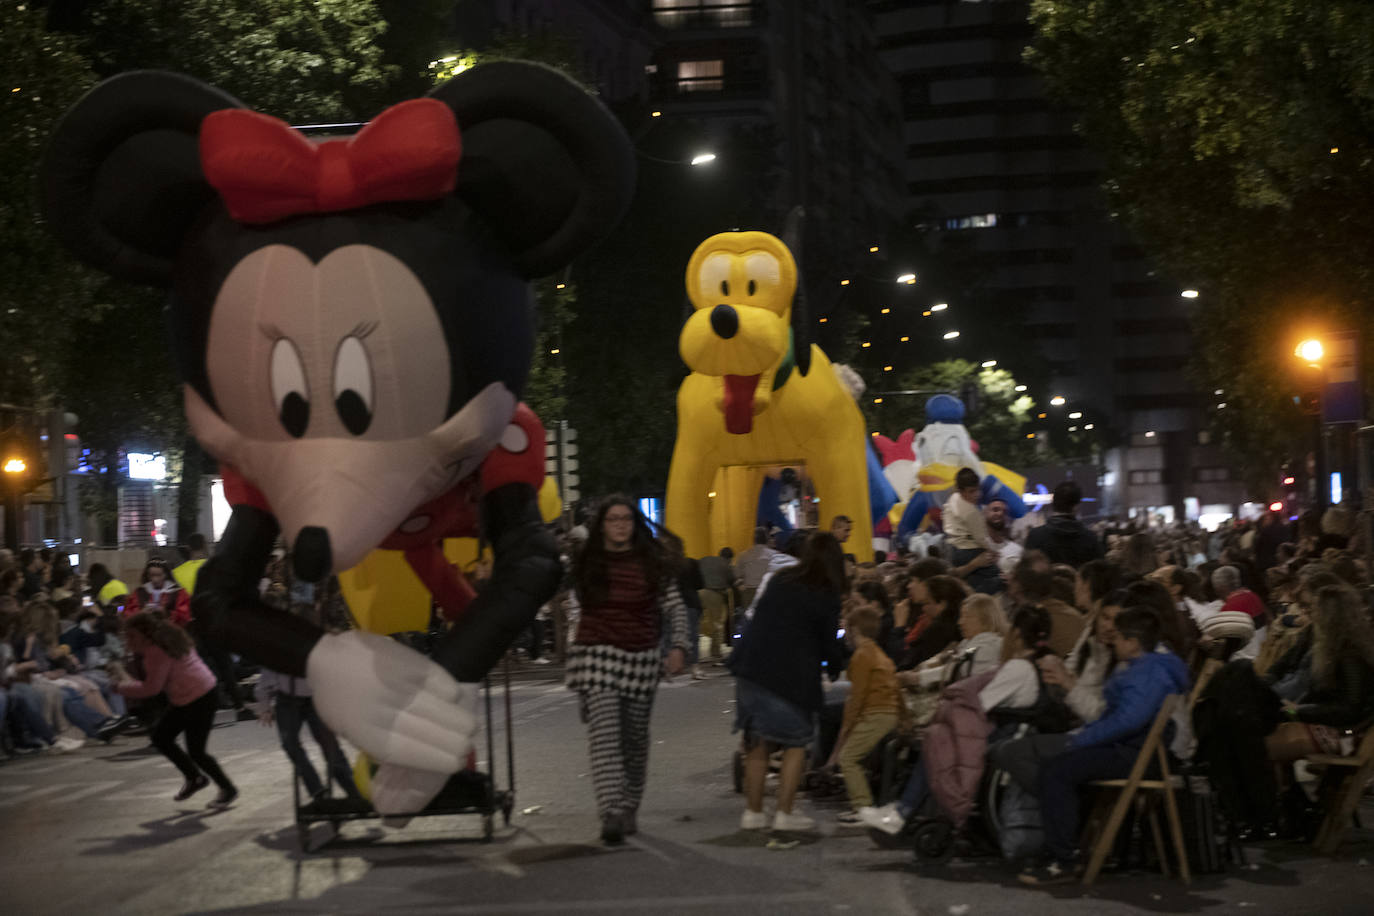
739	403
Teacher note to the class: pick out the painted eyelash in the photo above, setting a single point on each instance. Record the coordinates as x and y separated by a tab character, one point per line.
363	329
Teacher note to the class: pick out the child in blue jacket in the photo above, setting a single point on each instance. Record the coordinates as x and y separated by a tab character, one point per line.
1106	748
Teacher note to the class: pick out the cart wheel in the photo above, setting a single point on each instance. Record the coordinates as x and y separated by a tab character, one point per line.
934	841
488	827
737	767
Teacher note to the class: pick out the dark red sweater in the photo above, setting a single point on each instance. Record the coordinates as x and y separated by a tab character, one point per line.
628	617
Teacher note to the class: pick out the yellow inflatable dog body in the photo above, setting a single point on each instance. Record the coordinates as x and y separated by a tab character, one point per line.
758	396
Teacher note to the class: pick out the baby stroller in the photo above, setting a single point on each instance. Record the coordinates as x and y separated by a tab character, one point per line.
998	805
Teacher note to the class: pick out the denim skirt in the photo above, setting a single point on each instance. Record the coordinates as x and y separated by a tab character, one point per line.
764	716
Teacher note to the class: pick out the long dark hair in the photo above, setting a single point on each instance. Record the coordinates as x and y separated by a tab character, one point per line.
820	566
589	570
1172	629
948	592
161	632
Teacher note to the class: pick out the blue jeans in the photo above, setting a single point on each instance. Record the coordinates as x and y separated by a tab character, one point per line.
917	790
28	712
292	712
113	698
1060	780
79	714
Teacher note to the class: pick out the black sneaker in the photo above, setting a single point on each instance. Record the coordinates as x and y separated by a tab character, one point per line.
613	829
224	799
191	787
1053	873
107	730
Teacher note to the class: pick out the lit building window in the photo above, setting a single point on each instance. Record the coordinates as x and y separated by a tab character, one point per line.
682	14
976	221
700	75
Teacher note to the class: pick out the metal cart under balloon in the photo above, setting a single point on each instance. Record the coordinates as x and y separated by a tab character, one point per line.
468	792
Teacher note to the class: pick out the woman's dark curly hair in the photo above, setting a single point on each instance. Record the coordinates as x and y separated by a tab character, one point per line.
161	632
590	568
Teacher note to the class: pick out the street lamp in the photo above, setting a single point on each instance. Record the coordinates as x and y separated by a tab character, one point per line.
1313	380
15	466
907	278
703	158
1057	401
1311	351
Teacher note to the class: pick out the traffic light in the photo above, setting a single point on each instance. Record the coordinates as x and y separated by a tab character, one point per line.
568	478
551	453
1311	382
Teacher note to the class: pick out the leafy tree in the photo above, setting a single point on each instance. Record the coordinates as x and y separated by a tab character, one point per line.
303	62
43	295
1237	139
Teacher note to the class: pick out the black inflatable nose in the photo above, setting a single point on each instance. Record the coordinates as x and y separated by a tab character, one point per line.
310	557
724	321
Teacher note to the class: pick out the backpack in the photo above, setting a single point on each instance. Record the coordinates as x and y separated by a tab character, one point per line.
1049	715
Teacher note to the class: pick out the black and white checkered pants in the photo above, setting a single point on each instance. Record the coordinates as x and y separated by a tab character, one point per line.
618	733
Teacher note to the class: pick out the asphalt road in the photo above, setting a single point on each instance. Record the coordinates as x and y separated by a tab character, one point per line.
97	832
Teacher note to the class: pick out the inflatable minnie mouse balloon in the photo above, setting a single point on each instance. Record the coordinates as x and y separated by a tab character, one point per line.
353	323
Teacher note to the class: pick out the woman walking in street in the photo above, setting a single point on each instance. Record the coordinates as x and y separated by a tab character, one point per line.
172	665
627	585
777	664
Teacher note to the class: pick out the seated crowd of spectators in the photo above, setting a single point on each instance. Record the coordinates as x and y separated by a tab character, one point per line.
1049	660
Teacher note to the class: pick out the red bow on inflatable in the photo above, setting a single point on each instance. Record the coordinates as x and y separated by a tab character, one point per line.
265	170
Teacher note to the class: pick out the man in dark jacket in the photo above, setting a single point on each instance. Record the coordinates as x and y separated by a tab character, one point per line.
1064	539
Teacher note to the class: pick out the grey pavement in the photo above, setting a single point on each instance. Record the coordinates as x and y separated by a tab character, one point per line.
97	832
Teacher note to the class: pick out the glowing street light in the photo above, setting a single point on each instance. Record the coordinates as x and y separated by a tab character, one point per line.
1057	401
703	158
15	466
1310	350
1189	294
939	306
1076	415
989	363
907	278
1020	387
950	335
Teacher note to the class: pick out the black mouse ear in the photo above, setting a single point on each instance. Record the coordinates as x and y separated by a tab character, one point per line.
544	162
801	328
121	178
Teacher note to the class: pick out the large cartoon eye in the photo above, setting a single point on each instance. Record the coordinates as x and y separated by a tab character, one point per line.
289	390
353	385
713	277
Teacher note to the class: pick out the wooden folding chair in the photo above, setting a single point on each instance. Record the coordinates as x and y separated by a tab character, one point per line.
1342	801
1153	748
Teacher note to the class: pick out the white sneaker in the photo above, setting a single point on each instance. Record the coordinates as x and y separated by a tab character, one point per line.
795	823
65	745
753	820
887	819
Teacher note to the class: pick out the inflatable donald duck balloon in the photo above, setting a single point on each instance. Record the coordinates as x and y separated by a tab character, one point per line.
921	466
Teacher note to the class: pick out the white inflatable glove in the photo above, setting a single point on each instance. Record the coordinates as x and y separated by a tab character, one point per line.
401	790
391	701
